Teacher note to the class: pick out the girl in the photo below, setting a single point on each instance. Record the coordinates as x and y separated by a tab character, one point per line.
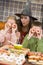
10	33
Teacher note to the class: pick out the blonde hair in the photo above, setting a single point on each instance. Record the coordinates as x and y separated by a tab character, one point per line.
11	17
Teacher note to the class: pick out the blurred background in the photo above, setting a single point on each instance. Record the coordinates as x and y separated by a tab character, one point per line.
10	7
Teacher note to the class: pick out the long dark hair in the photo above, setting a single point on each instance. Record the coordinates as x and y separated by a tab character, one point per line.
19	23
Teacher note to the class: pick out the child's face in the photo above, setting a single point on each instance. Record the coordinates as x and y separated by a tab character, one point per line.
11	21
36	31
11	24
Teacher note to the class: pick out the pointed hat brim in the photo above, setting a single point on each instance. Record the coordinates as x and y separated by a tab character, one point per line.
19	15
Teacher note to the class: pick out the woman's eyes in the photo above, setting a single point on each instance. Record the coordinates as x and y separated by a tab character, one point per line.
23	17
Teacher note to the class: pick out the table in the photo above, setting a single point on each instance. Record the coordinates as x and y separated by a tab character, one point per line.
4	62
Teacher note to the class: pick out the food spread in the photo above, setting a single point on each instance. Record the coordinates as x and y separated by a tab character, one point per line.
11	54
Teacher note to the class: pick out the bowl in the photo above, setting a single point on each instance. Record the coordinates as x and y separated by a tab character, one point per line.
18	46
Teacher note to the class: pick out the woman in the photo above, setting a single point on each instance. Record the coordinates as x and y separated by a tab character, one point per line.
10	33
25	22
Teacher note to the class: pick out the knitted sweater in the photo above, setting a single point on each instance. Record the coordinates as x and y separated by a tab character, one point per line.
34	44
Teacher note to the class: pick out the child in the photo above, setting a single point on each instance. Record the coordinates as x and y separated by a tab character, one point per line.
10	33
34	40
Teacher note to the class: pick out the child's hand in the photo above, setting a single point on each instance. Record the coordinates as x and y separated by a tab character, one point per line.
14	27
31	32
42	33
36	32
7	25
39	33
18	34
2	37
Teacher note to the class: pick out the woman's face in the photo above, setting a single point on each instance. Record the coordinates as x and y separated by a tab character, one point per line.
25	20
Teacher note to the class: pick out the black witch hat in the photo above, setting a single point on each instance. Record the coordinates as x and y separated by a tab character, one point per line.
26	11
